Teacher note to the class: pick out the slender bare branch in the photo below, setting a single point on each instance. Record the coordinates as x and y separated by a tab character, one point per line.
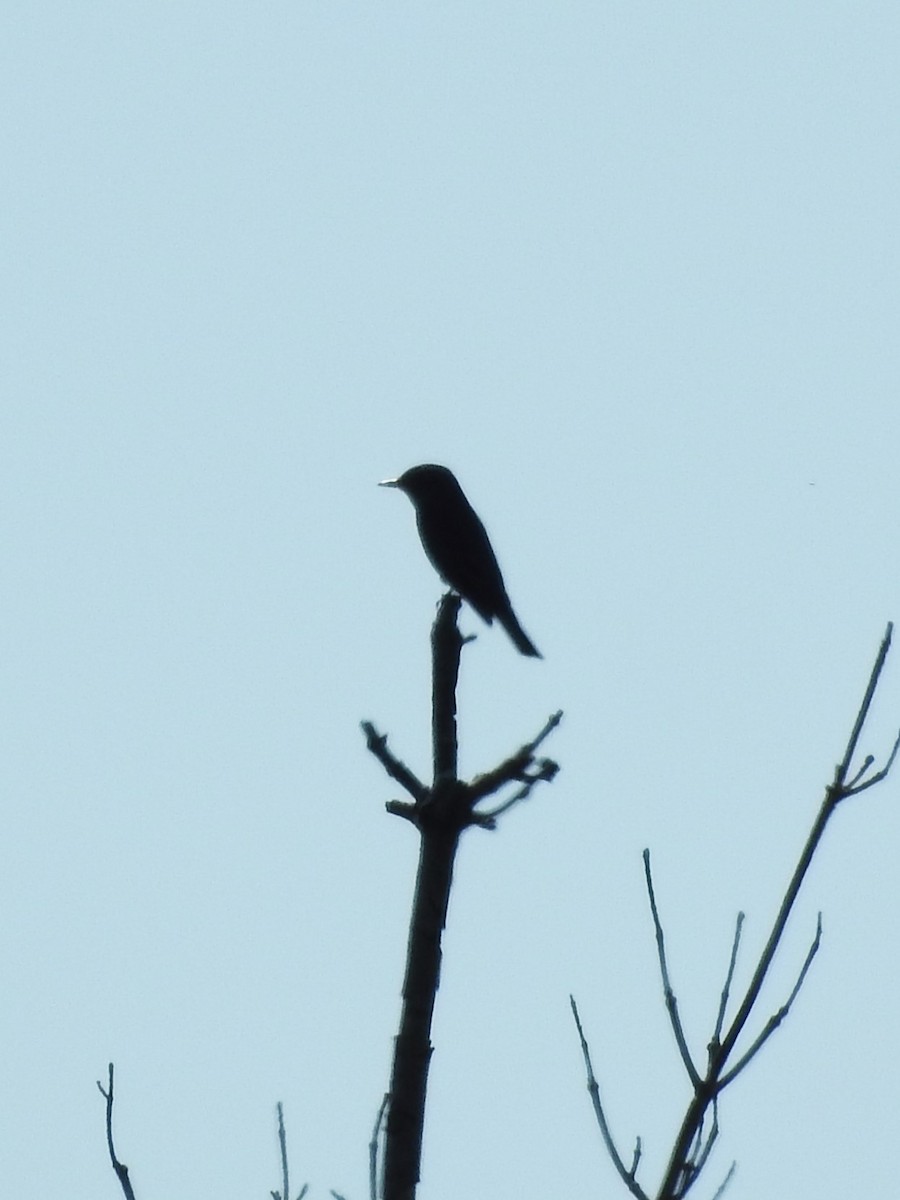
546	772
636	1157
671	1001
844	766
515	767
726	990
282	1147
683	1162
775	1020
627	1177
833	795
720	1190
376	743
703	1149
285	1193
373	1147
119	1167
854	788
867	762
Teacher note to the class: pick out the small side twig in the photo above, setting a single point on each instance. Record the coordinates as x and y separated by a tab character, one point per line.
118	1166
627	1177
376	743
720	1190
775	1020
373	1147
693	1145
285	1193
671	1001
726	990
546	771
515	767
703	1149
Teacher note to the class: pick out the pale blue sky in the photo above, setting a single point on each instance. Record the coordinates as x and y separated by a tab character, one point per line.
632	271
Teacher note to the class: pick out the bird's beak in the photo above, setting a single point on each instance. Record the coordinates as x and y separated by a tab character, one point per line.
389	483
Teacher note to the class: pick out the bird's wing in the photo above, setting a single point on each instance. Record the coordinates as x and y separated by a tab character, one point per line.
462	555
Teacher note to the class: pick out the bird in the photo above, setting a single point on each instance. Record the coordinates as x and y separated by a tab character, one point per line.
458	546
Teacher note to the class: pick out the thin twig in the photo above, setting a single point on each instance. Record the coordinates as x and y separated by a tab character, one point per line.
720	1190
844	767
681	1171
775	1020
671	1001
514	767
855	788
703	1151
373	1148
867	762
636	1157
376	743
282	1146
593	1087
119	1167
726	990
546	772
285	1193
833	795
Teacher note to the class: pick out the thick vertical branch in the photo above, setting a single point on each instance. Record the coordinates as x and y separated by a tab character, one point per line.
412	1048
440	813
441	819
446	646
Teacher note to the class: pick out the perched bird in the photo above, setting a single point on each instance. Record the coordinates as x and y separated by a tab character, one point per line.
457	544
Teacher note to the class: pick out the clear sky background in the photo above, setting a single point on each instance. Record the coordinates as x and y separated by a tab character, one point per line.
631	270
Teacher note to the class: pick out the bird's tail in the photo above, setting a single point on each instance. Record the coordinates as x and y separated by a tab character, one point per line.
522	641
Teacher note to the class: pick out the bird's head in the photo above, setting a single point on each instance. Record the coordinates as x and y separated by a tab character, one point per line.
426	483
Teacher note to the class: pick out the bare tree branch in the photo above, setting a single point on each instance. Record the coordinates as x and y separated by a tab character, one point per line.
775	1020
285	1193
545	772
373	1147
693	1146
703	1149
861	716
440	812
627	1177
726	990
720	1190
516	766
119	1167
681	1171
671	1001
376	743
855	788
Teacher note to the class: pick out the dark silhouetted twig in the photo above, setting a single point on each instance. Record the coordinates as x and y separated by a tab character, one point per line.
627	1177
668	991
726	990
376	743
693	1146
285	1192
373	1147
440	813
775	1020
720	1190
119	1167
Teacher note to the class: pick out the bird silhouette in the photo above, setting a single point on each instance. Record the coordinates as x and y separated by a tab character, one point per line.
459	548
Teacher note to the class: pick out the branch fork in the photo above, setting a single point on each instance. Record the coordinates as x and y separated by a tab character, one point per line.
695	1141
440	811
